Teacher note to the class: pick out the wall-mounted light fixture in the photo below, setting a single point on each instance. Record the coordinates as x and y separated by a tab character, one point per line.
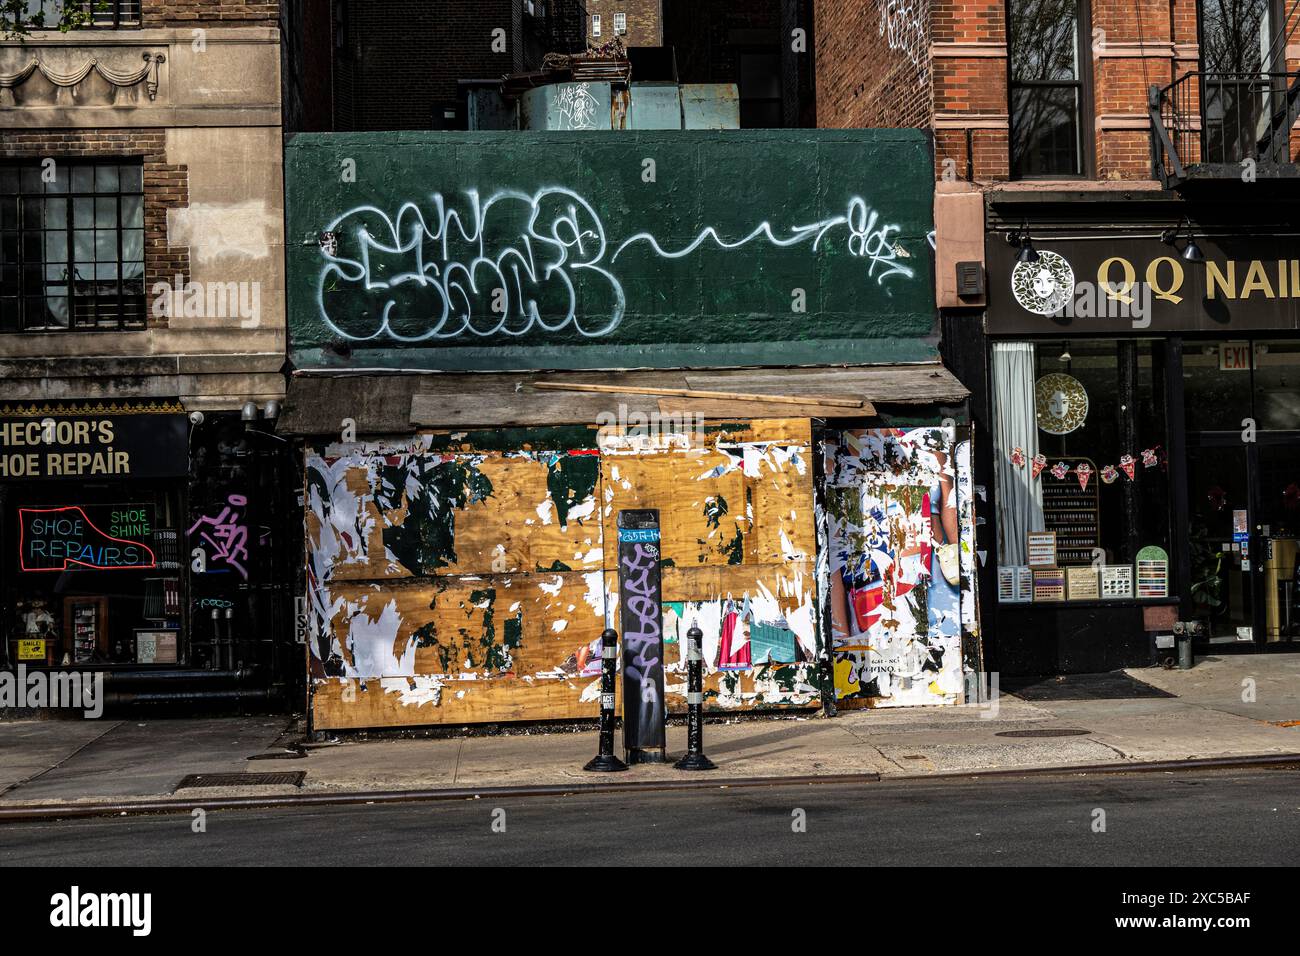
1020	239
1191	252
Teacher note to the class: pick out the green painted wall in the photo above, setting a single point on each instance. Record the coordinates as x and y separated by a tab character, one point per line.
516	250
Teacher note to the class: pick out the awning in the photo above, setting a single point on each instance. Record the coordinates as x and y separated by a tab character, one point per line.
388	403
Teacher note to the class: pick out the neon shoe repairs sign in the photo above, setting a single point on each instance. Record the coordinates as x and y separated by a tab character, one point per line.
86	536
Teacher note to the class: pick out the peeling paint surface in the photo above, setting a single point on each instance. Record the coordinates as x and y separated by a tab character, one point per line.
900	574
473	585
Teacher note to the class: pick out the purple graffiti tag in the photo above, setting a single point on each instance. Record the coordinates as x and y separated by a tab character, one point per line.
641	630
227	535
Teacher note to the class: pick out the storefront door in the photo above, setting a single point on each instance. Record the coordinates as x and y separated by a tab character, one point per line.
1244	538
1277	523
1220	541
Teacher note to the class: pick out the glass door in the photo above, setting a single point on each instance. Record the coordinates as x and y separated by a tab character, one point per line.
1221	543
1278	526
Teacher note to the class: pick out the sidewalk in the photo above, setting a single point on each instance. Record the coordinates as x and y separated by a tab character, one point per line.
79	762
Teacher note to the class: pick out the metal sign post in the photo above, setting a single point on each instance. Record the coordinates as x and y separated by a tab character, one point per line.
641	619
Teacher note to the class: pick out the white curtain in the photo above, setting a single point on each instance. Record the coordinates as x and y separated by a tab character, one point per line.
1015	425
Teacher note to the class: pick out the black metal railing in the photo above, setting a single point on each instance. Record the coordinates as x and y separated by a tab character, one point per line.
560	26
1210	123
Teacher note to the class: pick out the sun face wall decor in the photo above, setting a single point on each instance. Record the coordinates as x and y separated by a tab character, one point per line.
1061	403
1045	286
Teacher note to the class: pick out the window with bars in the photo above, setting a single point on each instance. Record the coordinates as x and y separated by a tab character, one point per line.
103	14
72	246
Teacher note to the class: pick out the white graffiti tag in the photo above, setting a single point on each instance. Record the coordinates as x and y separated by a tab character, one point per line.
516	263
577	108
903	24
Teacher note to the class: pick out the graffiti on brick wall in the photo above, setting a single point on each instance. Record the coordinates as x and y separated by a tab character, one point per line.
905	26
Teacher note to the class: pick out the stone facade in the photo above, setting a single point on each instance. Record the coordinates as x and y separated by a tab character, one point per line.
194	94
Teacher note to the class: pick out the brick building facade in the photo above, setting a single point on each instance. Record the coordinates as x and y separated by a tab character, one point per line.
943	65
642	21
1105	173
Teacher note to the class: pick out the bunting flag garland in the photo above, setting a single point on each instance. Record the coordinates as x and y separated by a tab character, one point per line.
1083	471
1150	457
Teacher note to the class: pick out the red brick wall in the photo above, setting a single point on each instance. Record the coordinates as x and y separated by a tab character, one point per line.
172	13
873	63
644	21
166	186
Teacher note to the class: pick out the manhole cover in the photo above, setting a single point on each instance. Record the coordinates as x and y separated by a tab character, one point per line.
1059	732
292	778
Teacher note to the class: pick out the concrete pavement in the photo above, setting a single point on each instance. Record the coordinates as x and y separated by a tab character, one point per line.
1228	707
1227	818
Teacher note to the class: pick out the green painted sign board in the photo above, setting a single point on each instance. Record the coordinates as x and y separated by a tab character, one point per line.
517	250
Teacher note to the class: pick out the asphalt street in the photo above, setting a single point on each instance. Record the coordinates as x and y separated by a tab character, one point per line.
1245	818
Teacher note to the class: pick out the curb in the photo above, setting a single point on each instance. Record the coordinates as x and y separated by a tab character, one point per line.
66	811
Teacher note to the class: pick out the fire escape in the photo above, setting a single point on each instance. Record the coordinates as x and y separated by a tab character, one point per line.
1225	125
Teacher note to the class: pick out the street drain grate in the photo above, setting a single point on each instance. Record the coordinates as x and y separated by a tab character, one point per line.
292	778
1060	732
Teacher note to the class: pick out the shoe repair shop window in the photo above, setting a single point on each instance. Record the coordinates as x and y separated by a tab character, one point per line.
71	246
97	575
1082	470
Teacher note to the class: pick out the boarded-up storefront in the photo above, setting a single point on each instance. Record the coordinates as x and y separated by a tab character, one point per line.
502	340
450	583
466	576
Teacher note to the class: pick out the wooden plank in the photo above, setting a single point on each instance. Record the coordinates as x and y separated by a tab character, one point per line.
471	627
838	402
376	703
716	409
702	519
519	527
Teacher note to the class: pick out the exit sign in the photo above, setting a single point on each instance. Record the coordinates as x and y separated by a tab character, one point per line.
1234	356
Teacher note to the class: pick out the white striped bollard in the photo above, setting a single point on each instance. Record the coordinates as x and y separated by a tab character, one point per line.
695	759
605	761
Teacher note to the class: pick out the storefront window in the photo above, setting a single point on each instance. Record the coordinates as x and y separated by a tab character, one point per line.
97	577
1080	446
1216	384
1277	385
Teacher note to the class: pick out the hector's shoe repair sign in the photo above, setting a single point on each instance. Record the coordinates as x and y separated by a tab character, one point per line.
58	442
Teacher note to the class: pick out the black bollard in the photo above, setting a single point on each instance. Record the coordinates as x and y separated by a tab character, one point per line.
695	759
605	760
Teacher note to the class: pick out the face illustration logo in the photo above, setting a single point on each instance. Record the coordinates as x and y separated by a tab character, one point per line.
1044	287
1061	403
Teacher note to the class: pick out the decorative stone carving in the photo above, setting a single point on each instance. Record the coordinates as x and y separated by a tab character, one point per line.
68	68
